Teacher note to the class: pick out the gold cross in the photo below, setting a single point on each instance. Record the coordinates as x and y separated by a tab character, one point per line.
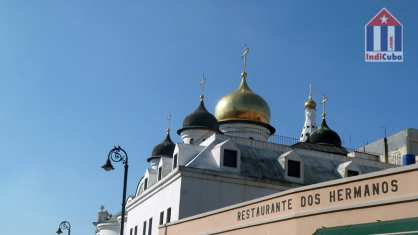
244	57
310	91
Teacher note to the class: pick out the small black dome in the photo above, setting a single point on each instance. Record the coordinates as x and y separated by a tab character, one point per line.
324	135
200	119
165	148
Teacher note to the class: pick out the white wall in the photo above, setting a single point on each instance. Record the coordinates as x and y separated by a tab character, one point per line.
246	130
199	195
108	229
155	199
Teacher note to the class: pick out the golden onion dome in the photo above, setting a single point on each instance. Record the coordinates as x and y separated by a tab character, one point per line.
243	105
310	104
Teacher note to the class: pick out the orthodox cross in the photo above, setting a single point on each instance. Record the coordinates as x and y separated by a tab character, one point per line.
310	91
324	101
244	57
168	122
202	86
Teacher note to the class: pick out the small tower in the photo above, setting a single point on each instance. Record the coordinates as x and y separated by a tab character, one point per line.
310	117
106	223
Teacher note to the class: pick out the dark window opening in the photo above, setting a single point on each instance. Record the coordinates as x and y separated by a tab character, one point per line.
230	158
191	141
130	231
160	173
168	218
352	173
145	184
293	168
136	230
175	161
144	228
150	226
161	217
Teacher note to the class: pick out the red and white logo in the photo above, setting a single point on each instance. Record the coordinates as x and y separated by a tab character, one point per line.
383	38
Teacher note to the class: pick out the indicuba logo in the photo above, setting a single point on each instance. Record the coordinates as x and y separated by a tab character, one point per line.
383	34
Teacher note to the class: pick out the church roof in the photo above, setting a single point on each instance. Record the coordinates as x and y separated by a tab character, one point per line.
321	148
243	105
200	119
324	135
165	148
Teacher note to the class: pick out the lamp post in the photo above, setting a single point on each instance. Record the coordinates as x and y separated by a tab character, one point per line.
64	225
117	154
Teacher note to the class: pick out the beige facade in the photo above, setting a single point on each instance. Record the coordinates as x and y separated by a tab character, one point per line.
381	196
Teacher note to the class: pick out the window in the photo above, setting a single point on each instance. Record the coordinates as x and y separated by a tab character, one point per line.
160	172
352	173
130	231
144	228
145	184
293	168
136	230
175	161
191	141
168	219
150	226
230	158
161	217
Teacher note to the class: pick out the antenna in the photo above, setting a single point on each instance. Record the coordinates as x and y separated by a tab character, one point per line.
384	130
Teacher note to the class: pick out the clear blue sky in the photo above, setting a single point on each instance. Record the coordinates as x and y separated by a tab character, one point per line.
77	77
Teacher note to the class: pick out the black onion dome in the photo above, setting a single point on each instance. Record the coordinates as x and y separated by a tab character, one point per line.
200	119
324	135
165	148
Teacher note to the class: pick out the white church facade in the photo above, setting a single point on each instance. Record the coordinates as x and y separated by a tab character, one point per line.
227	158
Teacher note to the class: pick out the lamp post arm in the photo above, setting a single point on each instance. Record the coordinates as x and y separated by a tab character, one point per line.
66	226
118	154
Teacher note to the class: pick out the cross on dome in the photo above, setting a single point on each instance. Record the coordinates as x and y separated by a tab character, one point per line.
310	91
168	122
244	56
323	102
202	86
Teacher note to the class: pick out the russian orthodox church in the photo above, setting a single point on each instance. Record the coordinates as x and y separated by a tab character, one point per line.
228	158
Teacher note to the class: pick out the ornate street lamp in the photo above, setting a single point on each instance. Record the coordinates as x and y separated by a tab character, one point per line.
117	154
64	225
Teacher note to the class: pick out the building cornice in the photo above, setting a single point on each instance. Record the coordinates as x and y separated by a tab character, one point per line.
387	172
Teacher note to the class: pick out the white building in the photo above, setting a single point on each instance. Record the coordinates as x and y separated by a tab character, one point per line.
226	159
399	148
